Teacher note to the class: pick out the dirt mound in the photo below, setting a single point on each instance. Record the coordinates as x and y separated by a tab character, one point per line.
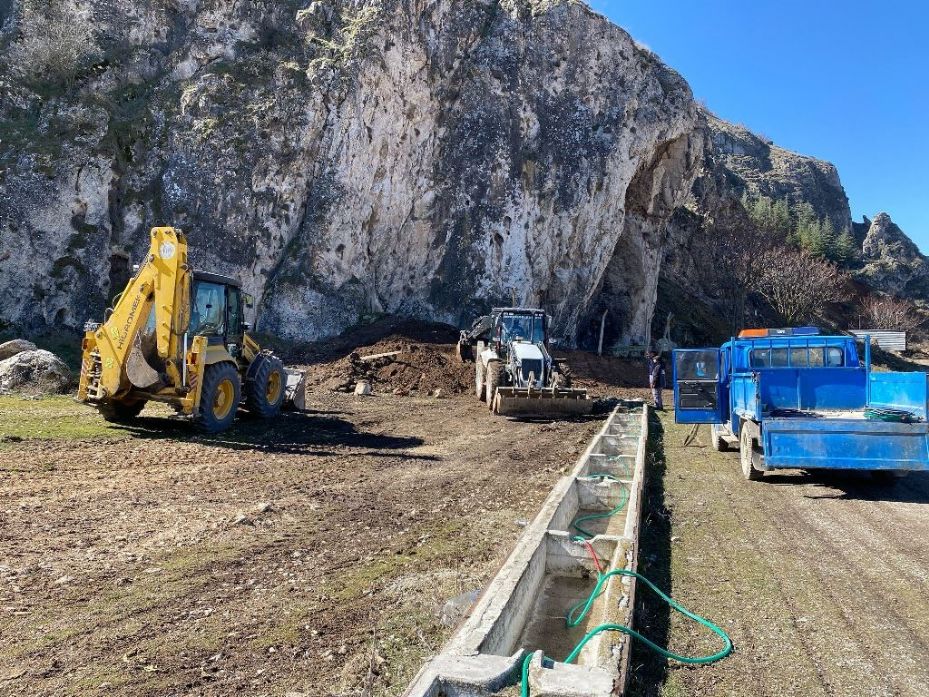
422	359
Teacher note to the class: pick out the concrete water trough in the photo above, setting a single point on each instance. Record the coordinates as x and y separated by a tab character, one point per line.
523	608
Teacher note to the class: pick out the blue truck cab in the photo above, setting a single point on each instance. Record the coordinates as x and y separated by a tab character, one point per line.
793	398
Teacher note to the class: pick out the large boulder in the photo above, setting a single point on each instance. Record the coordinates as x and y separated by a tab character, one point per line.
34	372
11	348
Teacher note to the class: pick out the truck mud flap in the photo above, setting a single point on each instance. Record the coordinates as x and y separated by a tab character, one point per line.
523	400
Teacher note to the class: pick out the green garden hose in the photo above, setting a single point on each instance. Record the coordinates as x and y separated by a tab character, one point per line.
892	415
578	612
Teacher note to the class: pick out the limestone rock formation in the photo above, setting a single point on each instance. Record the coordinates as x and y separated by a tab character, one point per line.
343	158
8	349
34	372
347	158
892	262
749	162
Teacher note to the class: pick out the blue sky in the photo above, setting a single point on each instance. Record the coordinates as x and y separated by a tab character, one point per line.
844	81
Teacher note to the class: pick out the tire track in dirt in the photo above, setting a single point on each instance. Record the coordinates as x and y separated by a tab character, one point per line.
879	615
779	498
762	556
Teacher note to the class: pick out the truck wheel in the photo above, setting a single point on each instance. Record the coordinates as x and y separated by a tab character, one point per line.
479	378
121	412
717	441
750	452
264	386
494	378
219	398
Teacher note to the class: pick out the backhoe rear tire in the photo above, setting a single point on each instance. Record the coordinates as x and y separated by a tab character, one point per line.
265	385
121	412
494	379
219	398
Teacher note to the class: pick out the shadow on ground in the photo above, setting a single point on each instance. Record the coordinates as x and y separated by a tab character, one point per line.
292	433
912	487
652	616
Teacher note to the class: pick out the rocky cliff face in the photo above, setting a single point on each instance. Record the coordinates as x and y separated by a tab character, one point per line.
892	261
342	158
352	157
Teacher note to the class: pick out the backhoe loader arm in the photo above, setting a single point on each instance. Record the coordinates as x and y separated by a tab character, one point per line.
163	283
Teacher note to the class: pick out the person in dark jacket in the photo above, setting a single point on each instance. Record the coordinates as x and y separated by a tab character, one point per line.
656	377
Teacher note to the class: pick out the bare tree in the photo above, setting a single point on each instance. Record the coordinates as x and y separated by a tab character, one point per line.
55	41
797	285
887	312
733	263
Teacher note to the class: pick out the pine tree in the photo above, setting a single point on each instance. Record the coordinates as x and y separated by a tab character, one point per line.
845	248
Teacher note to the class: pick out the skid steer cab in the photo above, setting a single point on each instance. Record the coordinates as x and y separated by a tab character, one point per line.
179	336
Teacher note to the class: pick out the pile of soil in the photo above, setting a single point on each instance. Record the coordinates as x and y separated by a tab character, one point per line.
426	361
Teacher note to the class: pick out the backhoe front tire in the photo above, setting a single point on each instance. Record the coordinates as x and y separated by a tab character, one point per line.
219	398
265	385
121	412
494	379
479	379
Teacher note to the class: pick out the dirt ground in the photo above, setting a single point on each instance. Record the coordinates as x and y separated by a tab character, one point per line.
821	580
311	557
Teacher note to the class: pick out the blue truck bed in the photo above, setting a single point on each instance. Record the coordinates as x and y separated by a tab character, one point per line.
844	442
804	401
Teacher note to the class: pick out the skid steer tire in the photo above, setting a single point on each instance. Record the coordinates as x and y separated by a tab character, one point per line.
121	412
750	455
479	379
494	379
219	398
265	386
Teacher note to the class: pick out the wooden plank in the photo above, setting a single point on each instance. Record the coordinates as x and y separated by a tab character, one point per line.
375	356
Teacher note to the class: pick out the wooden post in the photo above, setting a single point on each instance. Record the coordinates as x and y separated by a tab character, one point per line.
602	327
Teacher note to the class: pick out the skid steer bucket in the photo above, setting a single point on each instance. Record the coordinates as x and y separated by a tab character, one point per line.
541	402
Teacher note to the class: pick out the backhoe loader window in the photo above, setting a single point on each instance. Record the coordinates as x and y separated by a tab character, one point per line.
209	309
523	327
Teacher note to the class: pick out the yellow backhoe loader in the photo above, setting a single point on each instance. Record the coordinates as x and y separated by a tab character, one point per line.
179	336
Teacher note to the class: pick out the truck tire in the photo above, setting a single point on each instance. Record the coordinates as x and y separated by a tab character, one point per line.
219	398
750	455
716	440
121	412
479	378
494	379
265	386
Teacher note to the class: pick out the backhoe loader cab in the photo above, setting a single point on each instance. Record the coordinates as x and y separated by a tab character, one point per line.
179	336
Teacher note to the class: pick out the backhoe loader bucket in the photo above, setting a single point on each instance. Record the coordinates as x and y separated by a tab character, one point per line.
545	402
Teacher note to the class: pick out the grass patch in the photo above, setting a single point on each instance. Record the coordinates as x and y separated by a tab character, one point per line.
50	418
